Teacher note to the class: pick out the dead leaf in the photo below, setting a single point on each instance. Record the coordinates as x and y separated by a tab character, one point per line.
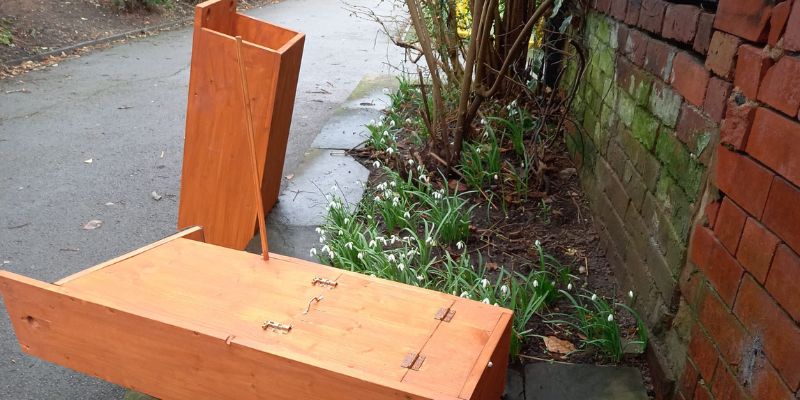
556	345
492	266
93	224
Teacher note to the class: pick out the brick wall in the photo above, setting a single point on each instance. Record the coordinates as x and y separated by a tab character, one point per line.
688	138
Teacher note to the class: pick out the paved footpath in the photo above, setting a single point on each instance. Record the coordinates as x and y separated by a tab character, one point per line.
124	109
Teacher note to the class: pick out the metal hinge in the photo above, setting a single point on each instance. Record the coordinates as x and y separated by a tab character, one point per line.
413	361
324	282
445	314
276	327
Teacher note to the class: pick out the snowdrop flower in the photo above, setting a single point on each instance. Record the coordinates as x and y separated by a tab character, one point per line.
495	177
372	122
465	295
522	164
630	293
406	215
410	162
376	198
484	283
360	255
393	184
569	286
460	245
373	275
424	178
326	249
496	304
483	121
411	253
535	283
313	252
486	301
409	121
376	164
429	240
420	168
386	133
391	123
391	258
341	232
594	297
478	150
320	231
401	266
486	134
346	221
349	245
395	202
322	239
373	243
537	243
610	317
437	195
420	278
390	150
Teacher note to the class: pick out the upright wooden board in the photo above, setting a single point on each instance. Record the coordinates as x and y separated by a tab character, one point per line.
183	320
216	184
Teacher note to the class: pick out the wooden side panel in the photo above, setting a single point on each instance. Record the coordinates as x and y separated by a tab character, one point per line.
488	383
169	361
263	34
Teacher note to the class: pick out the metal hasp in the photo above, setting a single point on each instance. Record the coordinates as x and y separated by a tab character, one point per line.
445	314
277	327
413	361
324	282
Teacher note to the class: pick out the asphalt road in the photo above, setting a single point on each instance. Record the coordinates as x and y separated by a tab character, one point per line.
124	109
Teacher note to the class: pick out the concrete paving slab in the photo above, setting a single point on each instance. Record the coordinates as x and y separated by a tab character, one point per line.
346	129
515	385
554	381
372	92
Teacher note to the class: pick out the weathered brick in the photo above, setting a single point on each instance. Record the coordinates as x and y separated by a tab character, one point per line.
722	53
602	5
677	208
690	283
777	22
651	16
613	187
775	141
632	13
711	212
634	81
723	271
634	185
618	8
694	129
767	384
743	179
665	103
690	78
781	86
782	281
766	320
725	385
744	18
730	224
702	392
751	66
644	127
756	249
688	379
680	22
658	58
791	38
701	246
703	353
739	115
717	98
636	47
781	215
705	27
680	163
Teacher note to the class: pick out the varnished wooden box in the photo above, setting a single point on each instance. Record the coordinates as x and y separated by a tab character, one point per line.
182	319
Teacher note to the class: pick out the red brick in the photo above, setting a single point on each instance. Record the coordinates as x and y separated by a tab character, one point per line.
791	38
765	319
636	47
680	22
775	141
705	27
688	379
702	393
602	5
730	224
725	384
651	16
701	245
717	98
721	53
690	78
723	271
690	282
756	249
781	214
723	328
743	179
767	384
781	86
618	8
658	58
632	13
703	353
777	23
782	281
752	65
712	210
739	115
744	18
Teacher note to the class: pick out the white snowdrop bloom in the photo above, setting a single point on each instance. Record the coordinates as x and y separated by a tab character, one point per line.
401	267
594	297
381	186
483	121
410	162
391	123
484	283
460	245
424	178
360	255
373	243
522	165
369	217
420	168
486	301
406	215
486	134
420	278
478	150
390	150
464	295
630	293
349	245
313	252
322	239
386	133
504	290
372	275
411	253
328	197
334	205
376	164
346	221
391	258
376	198
569	286
393	239
320	231
341	232
395	201
326	249
610	317
429	240
393	184
409	121
537	243
437	195
496	177
535	283
496	305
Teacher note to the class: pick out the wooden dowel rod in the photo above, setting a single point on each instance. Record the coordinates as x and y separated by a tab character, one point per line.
262	226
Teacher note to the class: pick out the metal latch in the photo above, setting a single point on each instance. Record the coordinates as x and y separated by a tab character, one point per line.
277	327
324	282
413	361
445	314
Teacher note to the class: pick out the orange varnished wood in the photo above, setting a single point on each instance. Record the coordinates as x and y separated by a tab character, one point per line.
216	186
